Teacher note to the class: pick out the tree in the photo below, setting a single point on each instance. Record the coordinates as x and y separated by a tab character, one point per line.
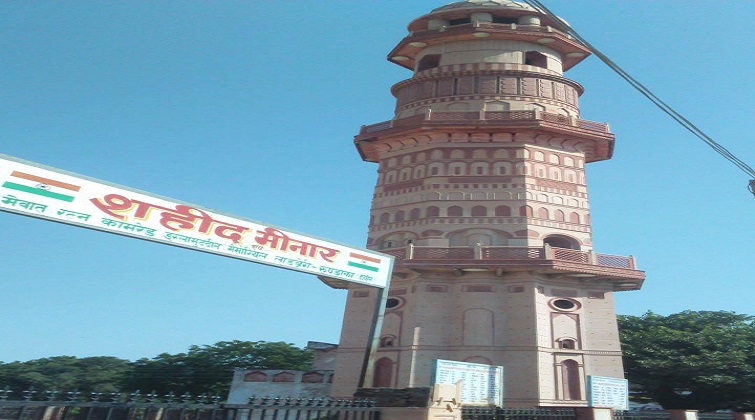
209	369
697	360
87	374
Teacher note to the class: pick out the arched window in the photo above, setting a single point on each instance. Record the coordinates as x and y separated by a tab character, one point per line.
414	214
283	377
542	213
560	241
570	377
255	376
559	216
399	216
574	217
503	211
525	211
312	378
567	343
383	373
455	211
479	211
433	211
385	218
388	341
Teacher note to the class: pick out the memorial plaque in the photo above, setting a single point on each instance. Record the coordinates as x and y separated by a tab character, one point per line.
480	384
607	392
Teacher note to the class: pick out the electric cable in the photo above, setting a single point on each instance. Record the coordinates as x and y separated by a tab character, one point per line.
645	91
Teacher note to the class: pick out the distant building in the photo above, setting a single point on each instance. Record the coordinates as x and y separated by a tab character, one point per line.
287	383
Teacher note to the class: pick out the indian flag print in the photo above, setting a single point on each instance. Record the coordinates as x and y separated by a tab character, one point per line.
364	262
46	187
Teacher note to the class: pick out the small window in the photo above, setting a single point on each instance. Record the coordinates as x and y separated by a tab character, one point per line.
393	303
503	211
534	58
508	20
565	304
478	289
459	21
479	211
283	377
567	343
255	376
455	211
429	61
388	341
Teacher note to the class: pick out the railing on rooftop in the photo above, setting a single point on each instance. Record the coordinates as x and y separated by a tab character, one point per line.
485	117
497	253
500	27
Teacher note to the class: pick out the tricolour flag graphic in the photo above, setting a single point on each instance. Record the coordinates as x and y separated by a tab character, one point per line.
46	187
364	262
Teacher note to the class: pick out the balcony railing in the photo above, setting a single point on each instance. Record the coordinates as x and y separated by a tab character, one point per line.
486	117
493	254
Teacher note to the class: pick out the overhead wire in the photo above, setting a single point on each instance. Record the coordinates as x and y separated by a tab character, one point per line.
645	91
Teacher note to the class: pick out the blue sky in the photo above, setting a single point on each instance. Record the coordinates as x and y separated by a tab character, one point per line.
249	107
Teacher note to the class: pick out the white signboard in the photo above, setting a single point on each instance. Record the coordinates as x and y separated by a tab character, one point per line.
606	392
481	384
35	190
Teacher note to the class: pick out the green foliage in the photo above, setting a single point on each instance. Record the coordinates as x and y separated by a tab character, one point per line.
697	360
65	372
209	369
201	370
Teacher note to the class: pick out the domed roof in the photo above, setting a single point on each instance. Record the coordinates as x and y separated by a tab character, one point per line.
484	3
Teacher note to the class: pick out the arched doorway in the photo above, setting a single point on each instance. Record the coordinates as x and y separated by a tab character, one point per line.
383	373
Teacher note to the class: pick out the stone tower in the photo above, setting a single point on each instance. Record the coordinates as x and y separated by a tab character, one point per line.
481	197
